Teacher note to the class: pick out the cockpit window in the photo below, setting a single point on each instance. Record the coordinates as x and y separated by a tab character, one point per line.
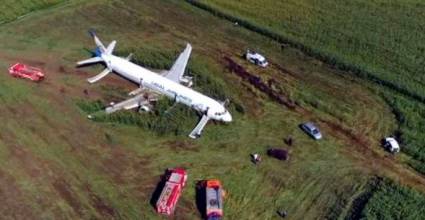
221	113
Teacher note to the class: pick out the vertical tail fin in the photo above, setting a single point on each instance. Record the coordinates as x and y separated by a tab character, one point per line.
98	43
107	50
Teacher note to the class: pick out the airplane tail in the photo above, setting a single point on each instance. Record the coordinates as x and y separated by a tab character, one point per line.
100	50
100	47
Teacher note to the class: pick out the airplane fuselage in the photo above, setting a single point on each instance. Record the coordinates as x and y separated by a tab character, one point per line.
167	87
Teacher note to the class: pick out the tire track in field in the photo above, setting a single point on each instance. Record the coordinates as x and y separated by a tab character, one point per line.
359	144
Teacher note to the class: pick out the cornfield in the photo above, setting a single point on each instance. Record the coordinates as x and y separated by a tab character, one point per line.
10	9
379	40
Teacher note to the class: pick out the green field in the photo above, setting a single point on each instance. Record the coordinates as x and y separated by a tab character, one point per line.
380	38
11	9
383	199
57	164
410	117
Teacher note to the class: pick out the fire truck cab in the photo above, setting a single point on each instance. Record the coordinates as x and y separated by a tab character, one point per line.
175	181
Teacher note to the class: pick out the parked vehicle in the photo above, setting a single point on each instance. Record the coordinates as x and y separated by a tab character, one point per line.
256	58
391	145
311	130
214	199
280	154
175	181
23	71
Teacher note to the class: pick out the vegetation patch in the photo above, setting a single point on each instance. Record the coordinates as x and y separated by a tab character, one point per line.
359	43
360	202
392	201
410	116
11	9
164	119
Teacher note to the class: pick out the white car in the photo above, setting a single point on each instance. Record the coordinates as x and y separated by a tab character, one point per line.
256	58
391	145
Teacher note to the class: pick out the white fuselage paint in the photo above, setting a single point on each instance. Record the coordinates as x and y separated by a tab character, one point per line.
169	88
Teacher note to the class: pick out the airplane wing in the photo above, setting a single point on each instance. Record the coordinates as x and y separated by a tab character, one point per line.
136	101
176	72
196	133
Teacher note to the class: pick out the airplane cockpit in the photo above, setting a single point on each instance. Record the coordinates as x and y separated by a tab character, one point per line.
221	113
223	116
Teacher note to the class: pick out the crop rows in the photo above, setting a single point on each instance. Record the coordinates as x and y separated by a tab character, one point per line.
391	201
10	9
380	41
410	116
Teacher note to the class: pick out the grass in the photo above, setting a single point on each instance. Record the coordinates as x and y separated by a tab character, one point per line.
164	120
62	166
12	10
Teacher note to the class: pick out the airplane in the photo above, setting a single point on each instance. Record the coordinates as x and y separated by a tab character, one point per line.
172	84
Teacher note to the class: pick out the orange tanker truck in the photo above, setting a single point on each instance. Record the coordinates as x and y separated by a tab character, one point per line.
214	199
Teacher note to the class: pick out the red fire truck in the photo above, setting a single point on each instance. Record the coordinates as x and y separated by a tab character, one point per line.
23	71
214	197
176	180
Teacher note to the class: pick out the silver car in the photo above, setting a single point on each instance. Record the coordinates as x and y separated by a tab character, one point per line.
311	130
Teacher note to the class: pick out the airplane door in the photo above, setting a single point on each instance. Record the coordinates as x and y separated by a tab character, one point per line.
172	95
199	107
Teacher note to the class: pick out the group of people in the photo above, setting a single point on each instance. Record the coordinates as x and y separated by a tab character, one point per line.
256	159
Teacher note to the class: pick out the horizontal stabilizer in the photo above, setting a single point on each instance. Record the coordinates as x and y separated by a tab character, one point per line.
99	76
90	61
111	47
196	133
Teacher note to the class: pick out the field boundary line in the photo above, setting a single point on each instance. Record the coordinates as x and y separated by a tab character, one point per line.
20	17
40	10
327	58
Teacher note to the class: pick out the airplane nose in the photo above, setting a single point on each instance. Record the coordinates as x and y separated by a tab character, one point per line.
227	117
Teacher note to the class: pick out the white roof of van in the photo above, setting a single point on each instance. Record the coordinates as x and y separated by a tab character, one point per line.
257	56
393	142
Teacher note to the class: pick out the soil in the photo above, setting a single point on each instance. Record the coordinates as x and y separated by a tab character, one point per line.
12	201
102	207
